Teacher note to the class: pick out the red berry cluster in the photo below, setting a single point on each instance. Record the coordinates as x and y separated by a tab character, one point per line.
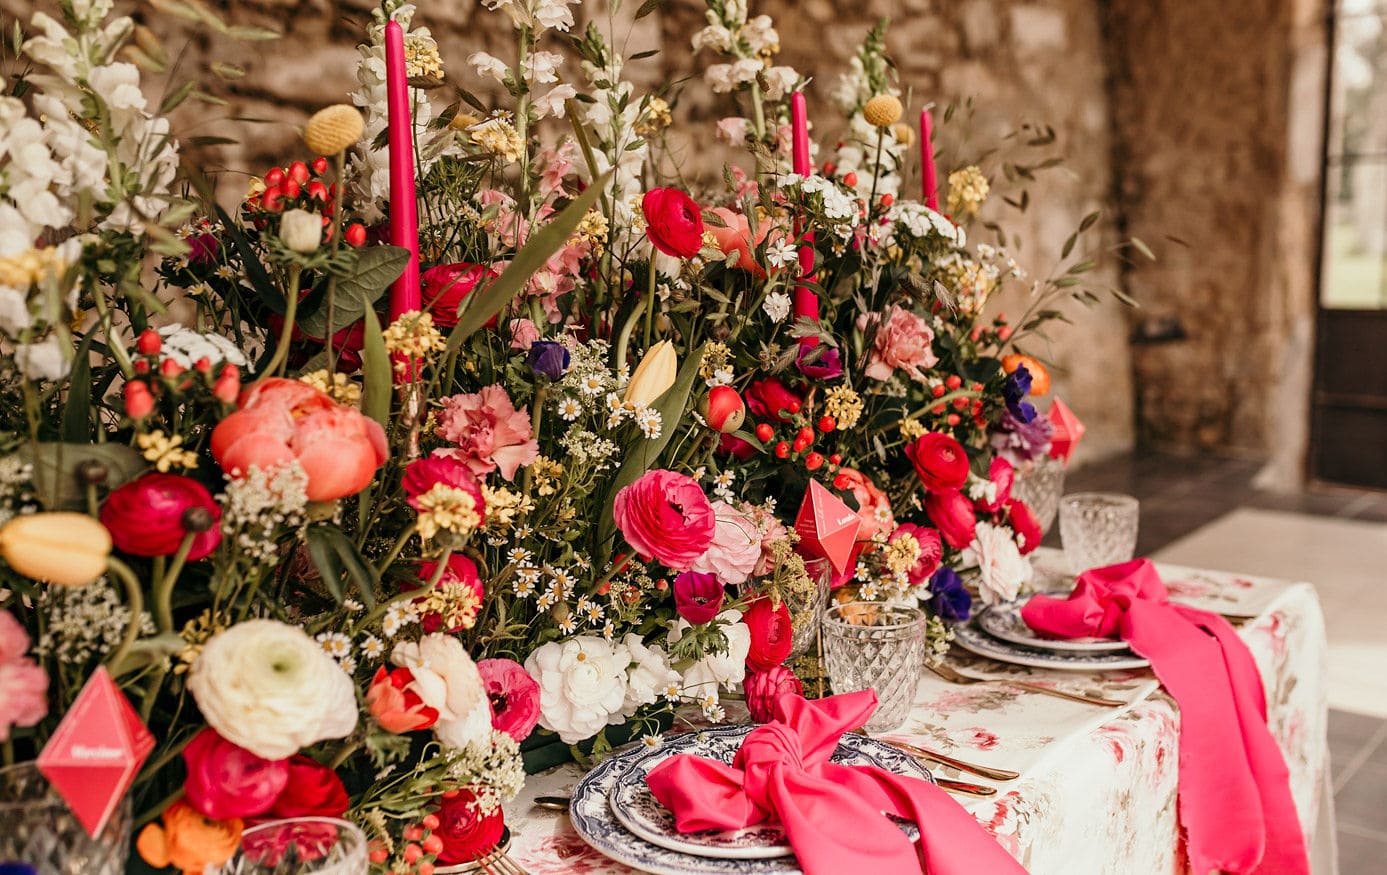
301	186
998	332
957	408
800	447
420	842
155	375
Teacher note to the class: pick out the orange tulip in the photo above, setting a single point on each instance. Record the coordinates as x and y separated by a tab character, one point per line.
188	841
1040	378
735	236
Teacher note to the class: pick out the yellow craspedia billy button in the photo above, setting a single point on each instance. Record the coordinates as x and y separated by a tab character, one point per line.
333	129
69	549
883	111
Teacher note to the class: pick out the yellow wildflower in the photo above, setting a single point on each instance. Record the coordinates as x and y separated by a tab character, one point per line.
901	554
500	138
883	111
716	357
657	118
592	230
504	507
334	129
413	336
968	188
912	429
547	474
422	60
165	452
23	269
455	602
342	389
844	405
447	509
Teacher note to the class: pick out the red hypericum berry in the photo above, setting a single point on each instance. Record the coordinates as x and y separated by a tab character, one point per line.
149	342
413	833
355	235
830	168
805	434
203	365
793	406
141	366
977	406
1001	317
425	868
298	171
272	201
954	381
433	844
850	180
379	855
842	481
938	390
782	450
602	589
975	334
319	166
977	387
316	190
662	584
835	459
814	461
450	794
228	386
980	421
887	200
292	189
170	368
413	852
1004	332
827	424
960	403
764	432
953	419
938	408
801	444
274	178
139	403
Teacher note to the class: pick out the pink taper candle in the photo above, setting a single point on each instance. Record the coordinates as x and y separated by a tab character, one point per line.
404	217
931	181
806	302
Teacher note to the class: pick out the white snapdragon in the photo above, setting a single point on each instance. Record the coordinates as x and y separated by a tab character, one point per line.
488	66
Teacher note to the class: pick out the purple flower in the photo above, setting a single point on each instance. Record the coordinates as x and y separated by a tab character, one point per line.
824	362
1016	387
951	600
697	596
1021	442
548	359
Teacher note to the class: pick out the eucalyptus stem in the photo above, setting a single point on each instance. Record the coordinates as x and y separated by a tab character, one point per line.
135	599
286	334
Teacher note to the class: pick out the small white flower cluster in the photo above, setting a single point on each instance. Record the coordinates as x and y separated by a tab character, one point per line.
16	484
257	506
186	347
587	382
398	617
540	68
339	647
820	191
873	155
587	448
85	623
648	419
922	223
492	769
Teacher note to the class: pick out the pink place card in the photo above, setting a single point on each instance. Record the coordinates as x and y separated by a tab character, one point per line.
1068	431
827	526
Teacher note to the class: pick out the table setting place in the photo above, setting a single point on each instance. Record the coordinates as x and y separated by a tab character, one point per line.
893	770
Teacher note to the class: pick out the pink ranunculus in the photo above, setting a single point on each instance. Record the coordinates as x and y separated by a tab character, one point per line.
282	421
952	514
736	546
904	341
931	551
148	516
1001	474
514	697
489	432
666	516
764	688
873	507
736	237
698	596
226	780
23	682
446	286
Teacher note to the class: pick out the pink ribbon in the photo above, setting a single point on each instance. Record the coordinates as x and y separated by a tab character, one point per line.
832	814
1235	798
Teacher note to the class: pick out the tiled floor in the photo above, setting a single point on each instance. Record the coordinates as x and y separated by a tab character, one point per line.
1181	496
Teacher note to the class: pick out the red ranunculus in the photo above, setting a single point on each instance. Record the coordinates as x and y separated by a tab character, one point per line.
226	781
446	286
698	597
1002	474
952	514
313	790
764	689
146	516
1023	522
673	222
391	699
939	460
772	634
514	697
767	398
931	551
466	834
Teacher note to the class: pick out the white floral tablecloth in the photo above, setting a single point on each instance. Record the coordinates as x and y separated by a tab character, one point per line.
1098	785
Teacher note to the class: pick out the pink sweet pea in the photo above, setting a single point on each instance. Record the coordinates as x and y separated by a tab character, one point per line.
23	682
736	237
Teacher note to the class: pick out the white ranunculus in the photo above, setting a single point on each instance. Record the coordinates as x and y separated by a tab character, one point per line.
727	669
446	678
648	676
45	360
268	687
1001	567
301	230
582	685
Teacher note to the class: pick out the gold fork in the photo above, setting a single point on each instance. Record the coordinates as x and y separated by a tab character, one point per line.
498	862
954	676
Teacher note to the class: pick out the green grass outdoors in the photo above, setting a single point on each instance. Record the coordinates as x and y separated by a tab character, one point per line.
1353	280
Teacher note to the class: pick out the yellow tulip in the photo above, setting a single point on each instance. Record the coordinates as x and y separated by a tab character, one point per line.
653	376
69	549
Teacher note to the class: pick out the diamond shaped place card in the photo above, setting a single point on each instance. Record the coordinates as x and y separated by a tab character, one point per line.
1068	431
97	750
827	526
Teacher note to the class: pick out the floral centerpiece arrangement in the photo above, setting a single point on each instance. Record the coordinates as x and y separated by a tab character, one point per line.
474	444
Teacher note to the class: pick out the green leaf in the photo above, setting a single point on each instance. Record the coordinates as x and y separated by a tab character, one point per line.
77	410
647	7
55	470
1089	220
375	367
255	271
336	558
376	268
1140	246
177	96
252	33
483	305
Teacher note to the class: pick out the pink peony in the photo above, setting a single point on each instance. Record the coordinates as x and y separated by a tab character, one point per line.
931	551
903	342
873	507
764	689
489	432
736	546
23	682
666	516
514	697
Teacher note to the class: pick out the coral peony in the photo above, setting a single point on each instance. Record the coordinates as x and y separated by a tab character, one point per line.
187	840
873	507
903	342
952	514
282	421
764	689
771	634
673	222
395	704
939	460
467	833
489	433
514	697
149	516
735	549
226	780
446	286
698	596
313	790
734	238
666	516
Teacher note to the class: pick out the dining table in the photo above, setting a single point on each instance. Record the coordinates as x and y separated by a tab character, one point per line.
1097	784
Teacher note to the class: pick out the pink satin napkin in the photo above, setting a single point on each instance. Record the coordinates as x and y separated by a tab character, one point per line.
832	814
1235	798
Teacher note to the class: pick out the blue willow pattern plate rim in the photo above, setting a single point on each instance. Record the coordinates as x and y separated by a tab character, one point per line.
974	640
1004	622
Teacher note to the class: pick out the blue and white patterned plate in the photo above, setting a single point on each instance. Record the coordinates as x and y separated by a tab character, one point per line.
974	640
640	812
594	821
1005	622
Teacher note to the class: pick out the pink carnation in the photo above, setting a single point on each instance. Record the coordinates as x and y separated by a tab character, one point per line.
903	342
489	432
666	516
23	683
514	697
736	547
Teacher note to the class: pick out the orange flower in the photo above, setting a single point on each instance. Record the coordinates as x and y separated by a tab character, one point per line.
1040	378
189	841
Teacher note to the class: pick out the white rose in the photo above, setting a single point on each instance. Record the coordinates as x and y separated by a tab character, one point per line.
268	687
1001	567
301	230
446	679
726	669
582	685
648	676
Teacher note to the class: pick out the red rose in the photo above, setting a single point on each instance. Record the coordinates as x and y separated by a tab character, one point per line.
313	790
952	514
446	286
1023	522
673	222
939	460
150	516
1002	474
771	634
226	781
767	398
764	689
391	699
466	834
